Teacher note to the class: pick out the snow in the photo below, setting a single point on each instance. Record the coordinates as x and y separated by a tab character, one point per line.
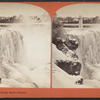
93	83
58	55
15	84
61	79
20	75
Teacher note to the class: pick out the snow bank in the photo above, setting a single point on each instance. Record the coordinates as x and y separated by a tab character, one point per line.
60	79
58	55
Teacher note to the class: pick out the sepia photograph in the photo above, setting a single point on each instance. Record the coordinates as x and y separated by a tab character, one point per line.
25	46
76	46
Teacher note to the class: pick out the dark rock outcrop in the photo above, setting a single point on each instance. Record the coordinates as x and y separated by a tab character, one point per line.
72	68
71	43
80	81
68	46
59	43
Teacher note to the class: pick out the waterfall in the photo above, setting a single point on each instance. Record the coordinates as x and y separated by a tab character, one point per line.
88	50
11	48
25	56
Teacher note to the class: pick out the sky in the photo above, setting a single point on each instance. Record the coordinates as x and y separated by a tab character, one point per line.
10	9
75	10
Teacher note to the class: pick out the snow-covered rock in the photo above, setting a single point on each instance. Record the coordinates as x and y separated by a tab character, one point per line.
65	66
60	79
64	56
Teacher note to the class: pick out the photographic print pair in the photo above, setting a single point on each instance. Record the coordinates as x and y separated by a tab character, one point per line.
25	46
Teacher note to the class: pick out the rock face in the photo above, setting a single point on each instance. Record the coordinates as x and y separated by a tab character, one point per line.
67	46
72	68
72	43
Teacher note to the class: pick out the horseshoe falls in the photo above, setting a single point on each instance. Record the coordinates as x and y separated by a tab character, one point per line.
25	56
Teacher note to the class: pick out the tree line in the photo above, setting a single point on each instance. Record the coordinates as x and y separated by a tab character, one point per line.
17	19
13	19
75	20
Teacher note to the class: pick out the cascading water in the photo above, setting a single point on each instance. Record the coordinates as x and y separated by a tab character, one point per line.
11	47
19	46
89	54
